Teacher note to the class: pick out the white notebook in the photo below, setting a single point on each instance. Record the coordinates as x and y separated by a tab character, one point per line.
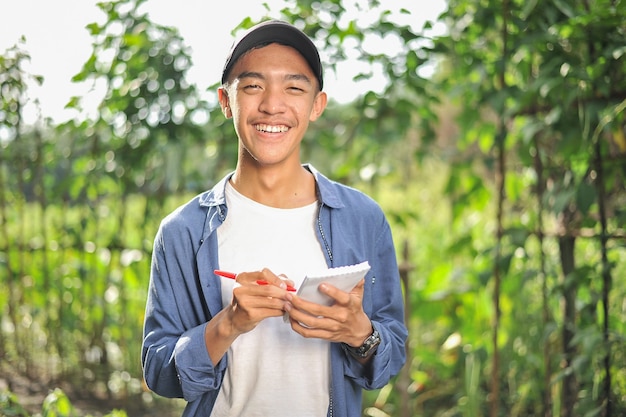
342	277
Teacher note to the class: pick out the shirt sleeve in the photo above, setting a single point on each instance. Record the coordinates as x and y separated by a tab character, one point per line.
384	304
174	356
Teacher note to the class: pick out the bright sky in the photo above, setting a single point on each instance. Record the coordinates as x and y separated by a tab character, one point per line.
59	44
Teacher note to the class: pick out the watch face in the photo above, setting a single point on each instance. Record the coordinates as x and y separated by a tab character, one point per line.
369	345
367	348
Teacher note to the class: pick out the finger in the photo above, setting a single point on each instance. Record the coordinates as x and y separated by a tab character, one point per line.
261	278
247	278
286	280
281	281
308	307
245	316
315	327
342	297
301	315
316	315
256	296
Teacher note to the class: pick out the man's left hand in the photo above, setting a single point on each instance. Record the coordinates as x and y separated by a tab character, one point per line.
344	321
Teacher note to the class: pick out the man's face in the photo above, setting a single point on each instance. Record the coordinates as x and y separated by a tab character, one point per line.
272	96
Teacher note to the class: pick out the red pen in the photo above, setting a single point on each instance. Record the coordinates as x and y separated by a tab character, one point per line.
232	275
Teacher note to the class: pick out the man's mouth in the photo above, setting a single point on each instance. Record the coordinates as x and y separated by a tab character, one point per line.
271	128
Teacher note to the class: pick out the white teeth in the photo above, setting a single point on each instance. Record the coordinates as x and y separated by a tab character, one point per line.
271	129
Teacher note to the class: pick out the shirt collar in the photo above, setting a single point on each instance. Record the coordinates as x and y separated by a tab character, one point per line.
327	194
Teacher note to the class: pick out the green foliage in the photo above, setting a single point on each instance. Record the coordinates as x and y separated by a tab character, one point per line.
10	406
148	107
524	77
56	404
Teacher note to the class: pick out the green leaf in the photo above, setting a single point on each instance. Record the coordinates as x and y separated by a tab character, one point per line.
586	196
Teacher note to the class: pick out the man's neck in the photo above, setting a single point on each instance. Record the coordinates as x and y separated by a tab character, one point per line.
276	187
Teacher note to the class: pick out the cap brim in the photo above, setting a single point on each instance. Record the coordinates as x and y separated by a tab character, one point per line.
275	31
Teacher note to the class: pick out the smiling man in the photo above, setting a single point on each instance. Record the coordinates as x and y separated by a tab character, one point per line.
222	343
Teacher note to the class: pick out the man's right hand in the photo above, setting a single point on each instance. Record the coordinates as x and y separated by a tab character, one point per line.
251	303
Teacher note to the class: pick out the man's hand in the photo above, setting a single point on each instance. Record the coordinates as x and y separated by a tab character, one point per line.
344	321
251	303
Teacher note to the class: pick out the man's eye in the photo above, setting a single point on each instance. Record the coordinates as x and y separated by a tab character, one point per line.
252	87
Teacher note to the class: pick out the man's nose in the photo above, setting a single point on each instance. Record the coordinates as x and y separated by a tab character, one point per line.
273	101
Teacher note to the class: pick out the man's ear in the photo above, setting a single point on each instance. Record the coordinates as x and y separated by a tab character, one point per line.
222	97
319	104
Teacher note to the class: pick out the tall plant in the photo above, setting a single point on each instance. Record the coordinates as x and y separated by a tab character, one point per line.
16	174
145	130
541	89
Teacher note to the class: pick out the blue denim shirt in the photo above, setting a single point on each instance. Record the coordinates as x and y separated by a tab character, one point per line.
184	294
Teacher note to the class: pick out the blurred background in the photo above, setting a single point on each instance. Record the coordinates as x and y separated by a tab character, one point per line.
493	134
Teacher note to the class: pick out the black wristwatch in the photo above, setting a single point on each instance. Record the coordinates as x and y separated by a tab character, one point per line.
368	347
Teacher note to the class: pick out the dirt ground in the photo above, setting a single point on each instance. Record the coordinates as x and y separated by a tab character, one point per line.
31	393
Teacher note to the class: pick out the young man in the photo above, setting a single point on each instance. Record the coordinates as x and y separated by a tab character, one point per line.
223	344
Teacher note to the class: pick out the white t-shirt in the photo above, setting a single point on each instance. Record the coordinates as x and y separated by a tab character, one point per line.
272	370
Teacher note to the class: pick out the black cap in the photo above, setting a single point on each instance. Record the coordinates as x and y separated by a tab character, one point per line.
275	31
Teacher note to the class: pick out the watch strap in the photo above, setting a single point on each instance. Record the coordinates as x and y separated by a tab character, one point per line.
367	348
